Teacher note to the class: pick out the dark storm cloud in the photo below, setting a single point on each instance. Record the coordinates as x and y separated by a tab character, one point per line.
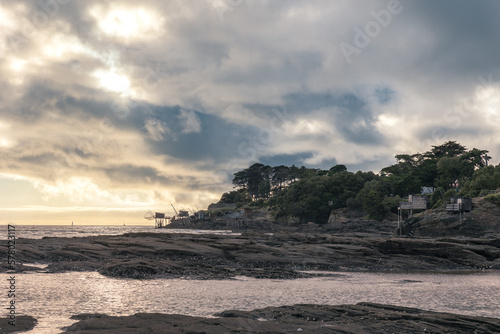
217	138
463	32
34	103
352	117
384	94
147	175
451	39
304	102
442	133
283	67
286	159
297	160
350	113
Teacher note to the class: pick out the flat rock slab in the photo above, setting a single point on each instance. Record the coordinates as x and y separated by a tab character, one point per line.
22	323
358	319
280	256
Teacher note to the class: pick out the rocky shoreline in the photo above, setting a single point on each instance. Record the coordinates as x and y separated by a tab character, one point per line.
282	255
356	319
285	254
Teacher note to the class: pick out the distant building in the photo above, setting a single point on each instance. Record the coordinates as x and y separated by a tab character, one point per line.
236	214
427	190
183	213
459	204
415	202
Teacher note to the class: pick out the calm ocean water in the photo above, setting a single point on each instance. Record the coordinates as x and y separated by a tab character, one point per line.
53	298
68	231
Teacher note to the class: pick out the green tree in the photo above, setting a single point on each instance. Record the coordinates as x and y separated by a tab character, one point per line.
311	193
437	196
483	180
307	199
450	170
235	196
449	149
337	169
441	166
280	176
371	198
255	179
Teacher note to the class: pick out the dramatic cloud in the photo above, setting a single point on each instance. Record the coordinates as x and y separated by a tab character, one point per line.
124	107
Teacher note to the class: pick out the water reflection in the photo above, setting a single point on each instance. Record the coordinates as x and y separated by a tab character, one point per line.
65	231
53	298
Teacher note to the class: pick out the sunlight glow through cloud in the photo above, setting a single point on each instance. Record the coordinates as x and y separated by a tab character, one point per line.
124	22
6	18
488	102
385	121
112	81
5	143
17	64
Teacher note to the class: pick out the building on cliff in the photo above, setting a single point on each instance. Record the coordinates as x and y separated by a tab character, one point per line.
459	204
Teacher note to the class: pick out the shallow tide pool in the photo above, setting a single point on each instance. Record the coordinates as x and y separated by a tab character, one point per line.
53	298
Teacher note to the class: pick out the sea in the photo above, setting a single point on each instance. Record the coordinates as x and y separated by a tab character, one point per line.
69	231
54	298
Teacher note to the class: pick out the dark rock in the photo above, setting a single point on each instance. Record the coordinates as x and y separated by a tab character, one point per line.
260	255
360	318
22	323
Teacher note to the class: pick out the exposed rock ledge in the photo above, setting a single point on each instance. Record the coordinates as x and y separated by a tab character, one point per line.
22	323
360	318
282	255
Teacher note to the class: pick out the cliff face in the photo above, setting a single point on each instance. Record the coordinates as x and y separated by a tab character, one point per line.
354	222
482	222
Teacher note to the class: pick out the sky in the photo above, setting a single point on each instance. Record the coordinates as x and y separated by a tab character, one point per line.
110	109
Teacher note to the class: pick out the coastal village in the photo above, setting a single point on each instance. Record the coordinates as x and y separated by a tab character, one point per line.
448	188
228	217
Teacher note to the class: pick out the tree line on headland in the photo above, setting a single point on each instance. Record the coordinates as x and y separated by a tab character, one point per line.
311	194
